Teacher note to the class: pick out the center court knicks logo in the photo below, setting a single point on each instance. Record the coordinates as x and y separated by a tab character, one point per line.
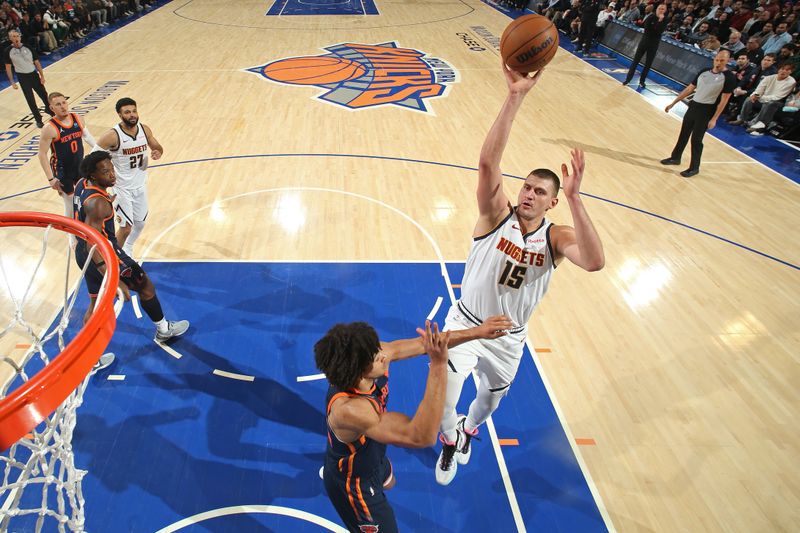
358	76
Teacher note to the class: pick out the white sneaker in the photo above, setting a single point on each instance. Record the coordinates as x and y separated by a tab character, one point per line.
446	467
464	451
175	328
104	362
757	126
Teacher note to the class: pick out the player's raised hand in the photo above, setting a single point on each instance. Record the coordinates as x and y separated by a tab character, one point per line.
518	82
572	182
435	342
494	327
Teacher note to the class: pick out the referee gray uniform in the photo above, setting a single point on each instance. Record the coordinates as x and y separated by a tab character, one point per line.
709	88
24	61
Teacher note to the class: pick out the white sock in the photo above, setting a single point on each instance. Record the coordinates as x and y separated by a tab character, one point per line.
136	230
162	325
448	425
67	198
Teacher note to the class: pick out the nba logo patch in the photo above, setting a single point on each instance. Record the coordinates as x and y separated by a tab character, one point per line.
369	528
358	76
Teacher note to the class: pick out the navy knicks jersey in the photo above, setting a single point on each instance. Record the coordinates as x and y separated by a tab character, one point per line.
67	147
363	456
85	190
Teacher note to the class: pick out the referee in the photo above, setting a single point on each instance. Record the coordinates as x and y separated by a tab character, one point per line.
29	73
713	87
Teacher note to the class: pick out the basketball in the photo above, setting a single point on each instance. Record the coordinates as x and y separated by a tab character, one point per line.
314	70
529	43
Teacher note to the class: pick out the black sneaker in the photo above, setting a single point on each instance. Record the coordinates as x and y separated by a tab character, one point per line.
445	466
670	161
689	172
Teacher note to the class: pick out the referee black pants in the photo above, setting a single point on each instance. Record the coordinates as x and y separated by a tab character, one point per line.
29	83
695	124
646	49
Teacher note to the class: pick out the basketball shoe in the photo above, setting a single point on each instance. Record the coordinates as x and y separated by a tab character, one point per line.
446	466
175	328
464	437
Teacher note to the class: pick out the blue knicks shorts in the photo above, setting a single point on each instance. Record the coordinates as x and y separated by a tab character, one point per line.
360	501
130	272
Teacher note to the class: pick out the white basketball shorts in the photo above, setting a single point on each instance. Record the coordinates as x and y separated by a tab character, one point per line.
131	205
495	360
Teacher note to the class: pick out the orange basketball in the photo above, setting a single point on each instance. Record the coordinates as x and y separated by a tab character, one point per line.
529	43
314	70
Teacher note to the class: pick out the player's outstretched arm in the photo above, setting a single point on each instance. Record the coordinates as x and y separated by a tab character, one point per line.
396	428
581	244
492	328
492	200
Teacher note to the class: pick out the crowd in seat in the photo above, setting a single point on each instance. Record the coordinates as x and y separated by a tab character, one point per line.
762	36
47	25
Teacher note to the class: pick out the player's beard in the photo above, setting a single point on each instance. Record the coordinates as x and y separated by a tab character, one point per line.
130	123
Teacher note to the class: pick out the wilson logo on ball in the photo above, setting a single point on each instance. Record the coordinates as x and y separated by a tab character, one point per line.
532	52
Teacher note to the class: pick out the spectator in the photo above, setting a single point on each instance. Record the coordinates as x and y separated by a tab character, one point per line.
698	36
745	72
734	43
767	99
711	43
685	29
765	33
775	42
756	24
634	13
98	12
754	51
787	119
740	16
47	41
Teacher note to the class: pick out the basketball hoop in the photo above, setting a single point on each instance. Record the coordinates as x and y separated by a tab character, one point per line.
40	395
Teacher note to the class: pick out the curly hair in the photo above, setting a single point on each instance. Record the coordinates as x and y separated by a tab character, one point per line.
346	352
89	163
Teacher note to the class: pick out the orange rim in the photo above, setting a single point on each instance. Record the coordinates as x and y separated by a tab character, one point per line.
35	400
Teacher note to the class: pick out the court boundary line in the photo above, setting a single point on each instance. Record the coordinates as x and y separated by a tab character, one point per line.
598	500
252	509
336	28
502	467
460	167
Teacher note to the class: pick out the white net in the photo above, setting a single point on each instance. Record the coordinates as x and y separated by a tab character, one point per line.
40	488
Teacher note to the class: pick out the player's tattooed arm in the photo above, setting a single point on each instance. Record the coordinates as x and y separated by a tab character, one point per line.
492	328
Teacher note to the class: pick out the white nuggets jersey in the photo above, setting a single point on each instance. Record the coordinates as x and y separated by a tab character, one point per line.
507	273
130	159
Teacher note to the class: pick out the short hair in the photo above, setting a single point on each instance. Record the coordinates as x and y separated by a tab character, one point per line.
122	102
346	352
771	55
549	175
786	65
51	96
14	31
89	163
